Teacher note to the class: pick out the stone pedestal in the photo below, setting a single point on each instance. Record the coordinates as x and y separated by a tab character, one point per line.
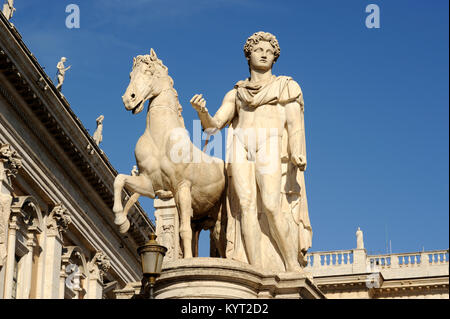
167	227
217	278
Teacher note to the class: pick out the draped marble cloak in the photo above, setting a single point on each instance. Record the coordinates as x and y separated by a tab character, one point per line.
279	90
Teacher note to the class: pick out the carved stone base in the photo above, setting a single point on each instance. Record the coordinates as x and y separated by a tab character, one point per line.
216	278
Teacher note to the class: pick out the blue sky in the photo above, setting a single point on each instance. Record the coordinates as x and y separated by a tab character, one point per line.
376	100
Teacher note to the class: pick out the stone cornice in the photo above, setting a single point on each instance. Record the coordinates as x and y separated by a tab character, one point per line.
28	78
352	281
359	282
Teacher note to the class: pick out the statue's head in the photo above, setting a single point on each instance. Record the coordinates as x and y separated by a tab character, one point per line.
63	59
100	119
148	78
261	50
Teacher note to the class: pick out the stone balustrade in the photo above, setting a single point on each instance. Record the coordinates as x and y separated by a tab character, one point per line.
330	259
343	262
419	259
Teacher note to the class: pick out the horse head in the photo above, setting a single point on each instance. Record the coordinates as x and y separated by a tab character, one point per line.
148	78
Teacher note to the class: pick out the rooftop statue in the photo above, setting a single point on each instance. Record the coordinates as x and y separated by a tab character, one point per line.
134	171
8	9
61	72
198	186
359	239
98	137
268	224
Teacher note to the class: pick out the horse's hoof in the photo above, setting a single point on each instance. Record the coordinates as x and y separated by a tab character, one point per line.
117	209
120	219
124	227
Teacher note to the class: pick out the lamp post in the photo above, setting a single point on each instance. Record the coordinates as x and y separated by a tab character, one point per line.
152	256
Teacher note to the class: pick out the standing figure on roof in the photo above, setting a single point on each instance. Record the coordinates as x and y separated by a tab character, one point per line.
61	72
8	9
98	134
268	224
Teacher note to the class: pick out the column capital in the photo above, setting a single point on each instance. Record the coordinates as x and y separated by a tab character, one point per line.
99	265
13	223
10	162
58	220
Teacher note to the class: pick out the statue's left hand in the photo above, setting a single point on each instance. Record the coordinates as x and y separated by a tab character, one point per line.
299	161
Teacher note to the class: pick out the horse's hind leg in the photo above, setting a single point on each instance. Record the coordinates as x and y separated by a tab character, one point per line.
137	184
183	198
196	236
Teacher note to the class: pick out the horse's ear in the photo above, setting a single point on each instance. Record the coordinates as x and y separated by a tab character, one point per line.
153	56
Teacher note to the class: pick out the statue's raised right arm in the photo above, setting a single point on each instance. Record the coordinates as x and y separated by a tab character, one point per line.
223	116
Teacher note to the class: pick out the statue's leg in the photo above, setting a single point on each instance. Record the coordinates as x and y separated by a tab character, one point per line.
137	184
217	232
244	182
60	82
184	203
196	236
269	183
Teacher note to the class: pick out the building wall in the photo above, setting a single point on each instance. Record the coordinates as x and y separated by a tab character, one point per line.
354	274
57	236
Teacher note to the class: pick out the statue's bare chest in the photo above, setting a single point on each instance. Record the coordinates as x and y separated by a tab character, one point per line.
263	116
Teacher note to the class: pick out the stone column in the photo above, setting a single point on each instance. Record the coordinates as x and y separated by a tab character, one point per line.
57	223
10	258
5	211
62	282
10	163
167	227
98	267
24	292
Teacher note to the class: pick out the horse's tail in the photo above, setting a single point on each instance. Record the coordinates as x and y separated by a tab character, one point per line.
133	199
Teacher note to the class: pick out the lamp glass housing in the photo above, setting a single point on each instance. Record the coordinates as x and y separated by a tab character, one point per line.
152	256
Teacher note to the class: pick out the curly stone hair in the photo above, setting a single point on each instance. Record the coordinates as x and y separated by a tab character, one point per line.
262	36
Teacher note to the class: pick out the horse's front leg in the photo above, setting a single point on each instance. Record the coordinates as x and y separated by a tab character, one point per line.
184	201
138	184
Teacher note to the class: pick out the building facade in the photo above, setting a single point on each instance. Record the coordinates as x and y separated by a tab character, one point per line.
57	236
343	274
353	273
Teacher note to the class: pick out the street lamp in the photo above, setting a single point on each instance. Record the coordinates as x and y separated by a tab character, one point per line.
152	256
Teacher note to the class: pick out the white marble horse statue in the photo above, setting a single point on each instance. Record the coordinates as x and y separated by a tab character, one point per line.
169	162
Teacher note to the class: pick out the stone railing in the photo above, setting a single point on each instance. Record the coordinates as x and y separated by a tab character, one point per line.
337	258
353	261
420	259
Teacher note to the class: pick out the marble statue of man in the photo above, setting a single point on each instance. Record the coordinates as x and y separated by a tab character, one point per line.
8	9
359	239
266	156
61	72
98	136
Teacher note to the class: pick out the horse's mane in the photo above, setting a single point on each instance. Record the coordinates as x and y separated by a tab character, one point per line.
149	59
